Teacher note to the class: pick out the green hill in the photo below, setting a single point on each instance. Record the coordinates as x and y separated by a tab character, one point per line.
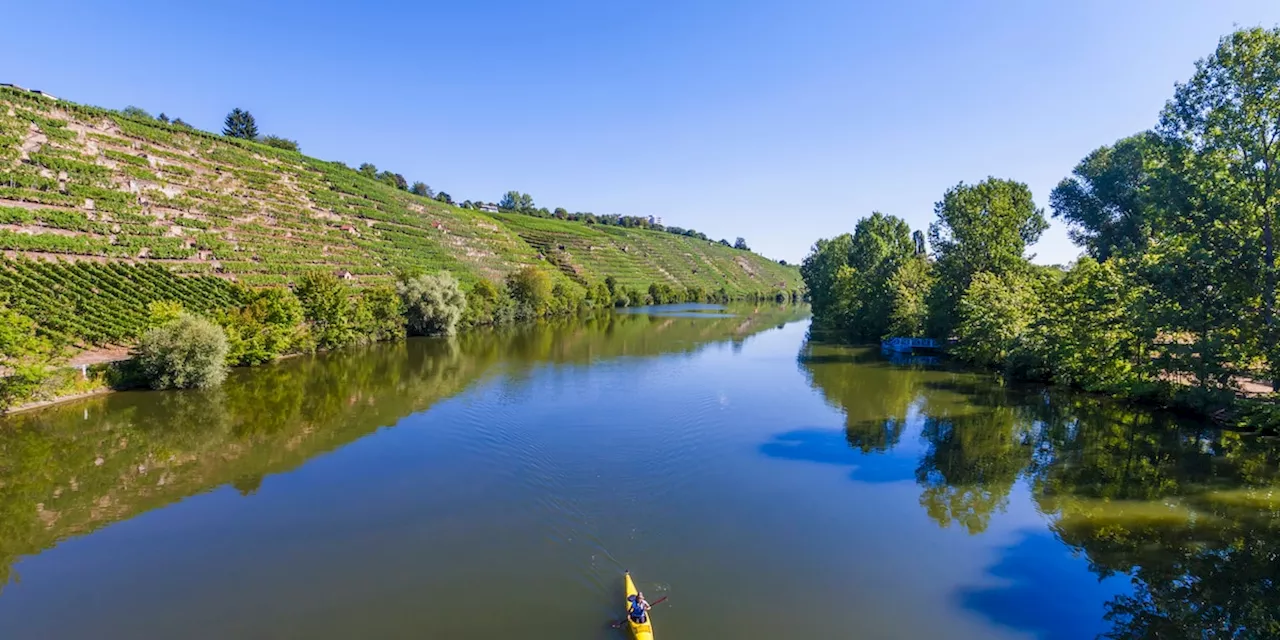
101	213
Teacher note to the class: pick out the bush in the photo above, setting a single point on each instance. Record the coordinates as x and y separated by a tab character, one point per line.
189	352
24	355
326	303
380	314
433	303
281	143
267	326
531	289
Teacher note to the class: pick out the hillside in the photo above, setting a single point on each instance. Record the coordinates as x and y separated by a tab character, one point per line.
101	213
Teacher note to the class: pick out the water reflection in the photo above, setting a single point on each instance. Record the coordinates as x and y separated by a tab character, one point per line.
1189	515
73	468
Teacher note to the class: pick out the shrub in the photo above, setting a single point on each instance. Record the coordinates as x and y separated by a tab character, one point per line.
281	143
380	314
326	303
267	326
25	355
433	303
531	288
189	352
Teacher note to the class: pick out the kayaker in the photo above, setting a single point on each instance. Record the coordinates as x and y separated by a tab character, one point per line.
638	607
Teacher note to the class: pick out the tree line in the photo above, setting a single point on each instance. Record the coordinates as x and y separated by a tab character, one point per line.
321	311
1174	299
522	203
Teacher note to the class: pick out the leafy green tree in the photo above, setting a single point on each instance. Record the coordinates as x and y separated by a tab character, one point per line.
908	291
724	242
881	245
1109	202
162	312
187	353
819	270
326	304
178	122
994	313
516	201
444	197
434	304
981	227
281	143
741	244
379	314
25	358
368	170
240	124
1089	331
267	326
421	188
531	288
561	213
1228	116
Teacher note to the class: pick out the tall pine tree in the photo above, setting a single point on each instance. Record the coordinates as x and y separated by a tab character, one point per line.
240	124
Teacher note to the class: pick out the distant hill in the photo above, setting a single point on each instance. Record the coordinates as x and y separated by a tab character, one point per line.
108	192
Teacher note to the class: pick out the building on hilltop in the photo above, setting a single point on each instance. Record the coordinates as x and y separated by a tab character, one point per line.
343	274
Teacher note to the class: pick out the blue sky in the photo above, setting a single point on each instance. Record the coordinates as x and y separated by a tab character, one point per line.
778	121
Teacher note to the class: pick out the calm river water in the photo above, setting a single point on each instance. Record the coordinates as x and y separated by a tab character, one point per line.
497	485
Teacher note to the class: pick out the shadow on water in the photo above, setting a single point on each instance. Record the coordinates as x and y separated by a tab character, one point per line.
1179	522
827	446
73	468
1041	589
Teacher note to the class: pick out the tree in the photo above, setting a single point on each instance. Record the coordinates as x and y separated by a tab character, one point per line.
178	122
240	124
993	315
25	358
530	287
881	245
421	188
380	314
326	304
136	112
162	117
725	242
266	327
561	213
187	353
444	197
1108	201
1228	115
981	227
909	290
281	143
741	244
516	201
368	170
434	303
819	270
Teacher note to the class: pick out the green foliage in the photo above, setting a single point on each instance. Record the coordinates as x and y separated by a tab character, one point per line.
908	291
516	201
741	244
434	304
267	326
994	314
421	189
240	124
136	112
531	289
326	304
187	353
1107	202
380	314
979	228
26	358
281	143
162	312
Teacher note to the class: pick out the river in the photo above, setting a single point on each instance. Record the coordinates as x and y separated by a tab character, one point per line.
497	485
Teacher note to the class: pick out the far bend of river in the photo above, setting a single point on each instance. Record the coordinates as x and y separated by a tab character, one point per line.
497	485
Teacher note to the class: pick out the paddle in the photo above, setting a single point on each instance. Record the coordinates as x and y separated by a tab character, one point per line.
618	624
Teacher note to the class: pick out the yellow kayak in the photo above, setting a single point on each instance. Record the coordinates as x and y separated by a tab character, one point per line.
641	630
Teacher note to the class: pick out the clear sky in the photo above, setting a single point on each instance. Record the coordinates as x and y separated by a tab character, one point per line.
780	121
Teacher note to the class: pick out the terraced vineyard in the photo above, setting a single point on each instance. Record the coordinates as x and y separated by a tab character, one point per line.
105	192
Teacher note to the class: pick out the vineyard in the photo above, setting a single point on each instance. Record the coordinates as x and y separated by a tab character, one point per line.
101	213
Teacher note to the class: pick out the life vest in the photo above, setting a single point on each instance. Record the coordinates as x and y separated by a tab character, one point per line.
637	610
